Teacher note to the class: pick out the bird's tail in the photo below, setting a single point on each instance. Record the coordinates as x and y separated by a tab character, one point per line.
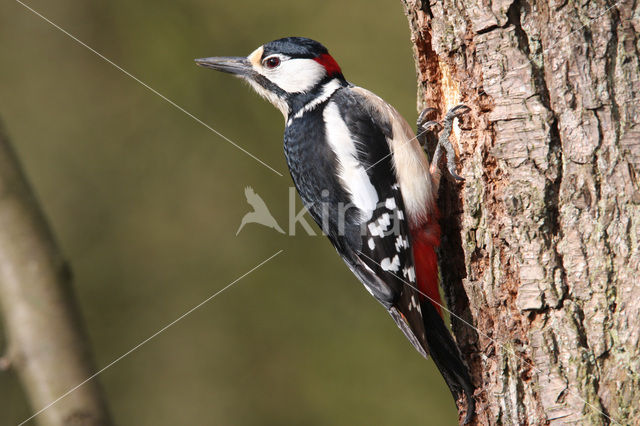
440	344
445	354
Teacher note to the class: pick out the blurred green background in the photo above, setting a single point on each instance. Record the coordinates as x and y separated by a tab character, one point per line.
145	203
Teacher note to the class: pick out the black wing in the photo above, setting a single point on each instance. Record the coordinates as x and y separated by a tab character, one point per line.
382	258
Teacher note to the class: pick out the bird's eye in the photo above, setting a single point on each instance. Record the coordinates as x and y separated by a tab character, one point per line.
272	62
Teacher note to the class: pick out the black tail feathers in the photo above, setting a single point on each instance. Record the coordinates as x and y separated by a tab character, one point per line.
445	354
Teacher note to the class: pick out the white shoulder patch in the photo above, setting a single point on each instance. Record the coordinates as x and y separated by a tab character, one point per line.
351	171
410	162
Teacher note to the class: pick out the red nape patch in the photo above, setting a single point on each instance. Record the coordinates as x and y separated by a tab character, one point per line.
425	241
329	64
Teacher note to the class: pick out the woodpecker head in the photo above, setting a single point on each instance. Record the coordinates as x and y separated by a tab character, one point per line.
288	72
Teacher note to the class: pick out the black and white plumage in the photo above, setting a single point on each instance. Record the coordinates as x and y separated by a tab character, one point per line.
366	181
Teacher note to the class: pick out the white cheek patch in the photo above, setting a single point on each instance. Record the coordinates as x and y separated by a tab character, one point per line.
294	75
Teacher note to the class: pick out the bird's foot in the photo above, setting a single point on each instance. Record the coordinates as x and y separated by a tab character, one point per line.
426	127
445	144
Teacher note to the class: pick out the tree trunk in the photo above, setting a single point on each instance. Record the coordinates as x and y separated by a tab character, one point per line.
540	252
47	345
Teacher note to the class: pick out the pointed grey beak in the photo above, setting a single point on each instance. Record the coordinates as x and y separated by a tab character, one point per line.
233	65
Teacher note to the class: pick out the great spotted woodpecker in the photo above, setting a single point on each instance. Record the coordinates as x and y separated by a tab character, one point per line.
366	180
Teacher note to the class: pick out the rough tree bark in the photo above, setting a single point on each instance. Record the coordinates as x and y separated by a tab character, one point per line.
541	253
47	345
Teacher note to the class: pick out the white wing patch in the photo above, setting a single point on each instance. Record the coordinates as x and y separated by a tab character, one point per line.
378	227
384	221
413	304
350	170
390	203
409	273
390	265
401	243
375	229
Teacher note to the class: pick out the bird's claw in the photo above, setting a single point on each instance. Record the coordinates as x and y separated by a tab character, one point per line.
445	130
431	126
457	111
426	128
422	118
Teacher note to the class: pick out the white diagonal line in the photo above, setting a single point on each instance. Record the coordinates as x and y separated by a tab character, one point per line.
150	337
175	105
508	348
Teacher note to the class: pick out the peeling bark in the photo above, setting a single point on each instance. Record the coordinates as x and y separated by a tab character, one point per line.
541	243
